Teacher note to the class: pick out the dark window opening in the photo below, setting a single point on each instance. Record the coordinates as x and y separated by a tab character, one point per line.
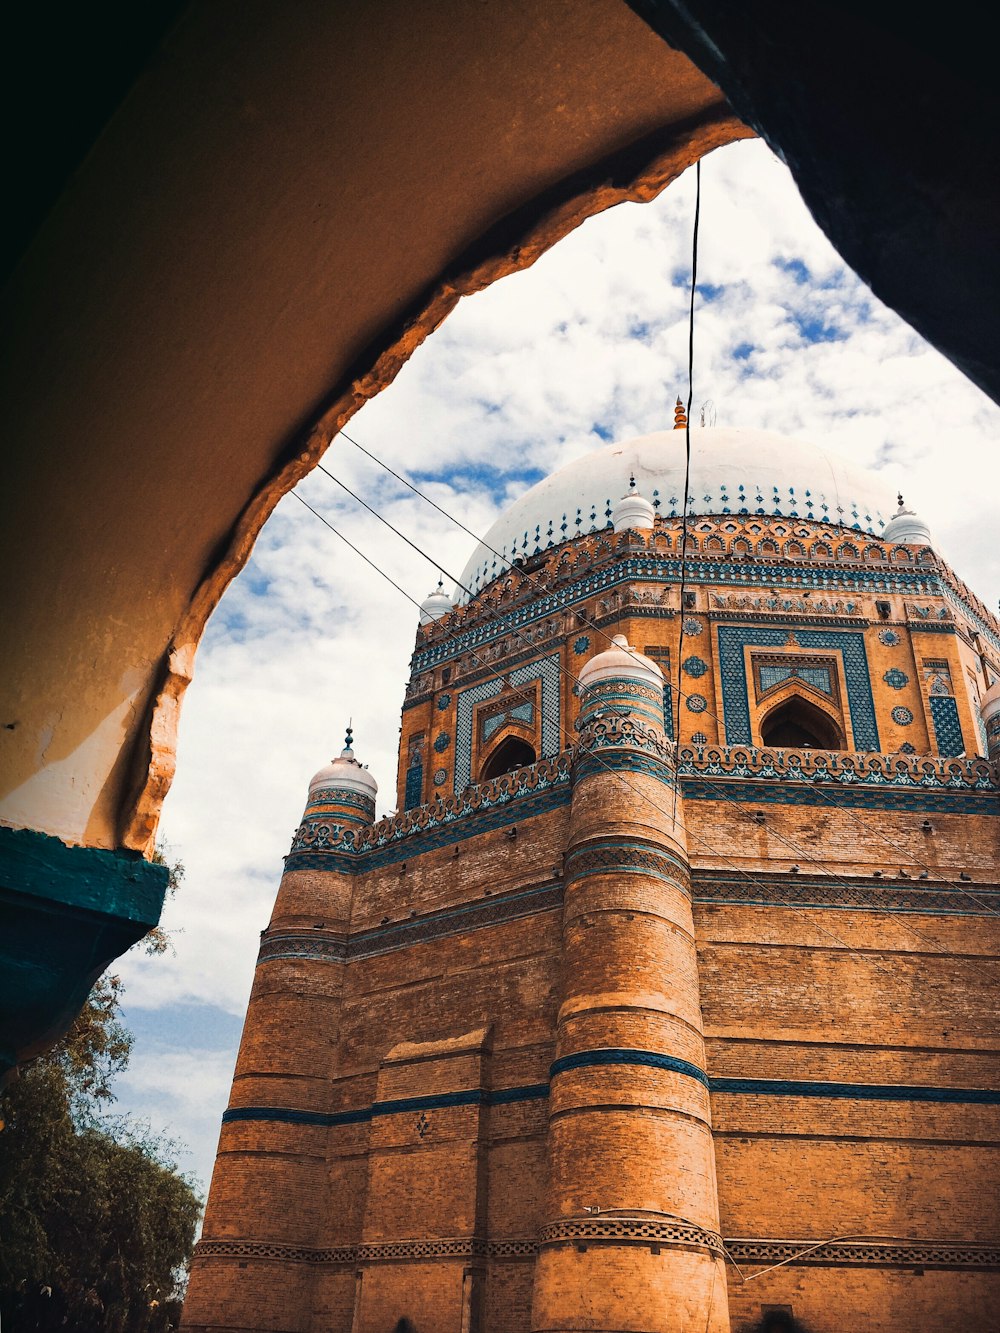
413	794
509	754
799	725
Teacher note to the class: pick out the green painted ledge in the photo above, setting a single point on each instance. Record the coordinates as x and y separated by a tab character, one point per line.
65	914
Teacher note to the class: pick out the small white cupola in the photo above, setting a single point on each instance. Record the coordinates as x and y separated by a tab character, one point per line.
907	528
633	511
435	605
620	661
345	773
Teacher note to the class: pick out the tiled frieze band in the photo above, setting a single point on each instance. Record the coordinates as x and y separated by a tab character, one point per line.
655	569
628	858
800	891
610	1229
619	1055
743	1250
401	934
756	1087
892	1254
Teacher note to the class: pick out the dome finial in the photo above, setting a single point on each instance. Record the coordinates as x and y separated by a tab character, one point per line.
680	416
349	738
631	482
899	499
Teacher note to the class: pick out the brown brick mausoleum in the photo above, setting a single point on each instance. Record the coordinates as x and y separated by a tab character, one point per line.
653	1008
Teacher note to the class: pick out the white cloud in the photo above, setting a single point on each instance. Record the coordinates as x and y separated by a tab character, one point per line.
514	383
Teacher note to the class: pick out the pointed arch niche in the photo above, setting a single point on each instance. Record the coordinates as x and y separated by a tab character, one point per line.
510	753
798	701
799	723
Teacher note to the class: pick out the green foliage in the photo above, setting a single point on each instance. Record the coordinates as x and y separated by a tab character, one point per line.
97	1223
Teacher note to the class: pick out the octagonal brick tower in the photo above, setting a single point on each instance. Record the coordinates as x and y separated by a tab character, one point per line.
630	1140
685	933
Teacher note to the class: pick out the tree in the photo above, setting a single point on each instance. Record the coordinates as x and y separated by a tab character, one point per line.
97	1222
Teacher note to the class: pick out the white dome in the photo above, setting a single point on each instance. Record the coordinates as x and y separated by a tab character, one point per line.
435	605
633	511
345	774
730	469
621	659
905	526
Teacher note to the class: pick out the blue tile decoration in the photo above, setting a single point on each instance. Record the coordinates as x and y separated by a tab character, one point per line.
695	666
414	791
653	567
896	679
902	716
696	703
523	712
624	1055
443	701
581	645
603	1056
908	748
889	637
818	677
547	671
692	627
735	698
440	777
947	728
699	738
441	741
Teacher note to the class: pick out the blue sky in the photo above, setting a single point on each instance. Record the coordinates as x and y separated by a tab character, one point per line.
587	346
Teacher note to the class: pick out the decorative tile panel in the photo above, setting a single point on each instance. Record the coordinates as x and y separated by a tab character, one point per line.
902	716
947	728
695	666
547	671
736	703
889	637
414	791
896	679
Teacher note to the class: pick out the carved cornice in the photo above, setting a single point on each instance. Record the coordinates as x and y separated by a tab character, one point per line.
866	1253
823	769
612	1229
752	1252
837	767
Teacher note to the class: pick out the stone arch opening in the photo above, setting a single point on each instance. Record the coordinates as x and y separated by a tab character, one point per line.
797	724
512	753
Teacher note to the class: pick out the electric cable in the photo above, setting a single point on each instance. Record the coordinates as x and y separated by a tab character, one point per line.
687	437
681	694
715	852
800	852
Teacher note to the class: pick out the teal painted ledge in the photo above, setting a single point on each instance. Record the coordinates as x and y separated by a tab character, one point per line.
65	914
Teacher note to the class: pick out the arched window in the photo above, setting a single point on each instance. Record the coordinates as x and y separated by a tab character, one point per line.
799	725
510	754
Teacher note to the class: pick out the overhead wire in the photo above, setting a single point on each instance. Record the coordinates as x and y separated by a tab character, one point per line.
687	437
671	815
536	582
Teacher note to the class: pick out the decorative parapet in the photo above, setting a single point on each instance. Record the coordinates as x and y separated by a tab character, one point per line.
741	1250
617	734
831	769
508	789
837	768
